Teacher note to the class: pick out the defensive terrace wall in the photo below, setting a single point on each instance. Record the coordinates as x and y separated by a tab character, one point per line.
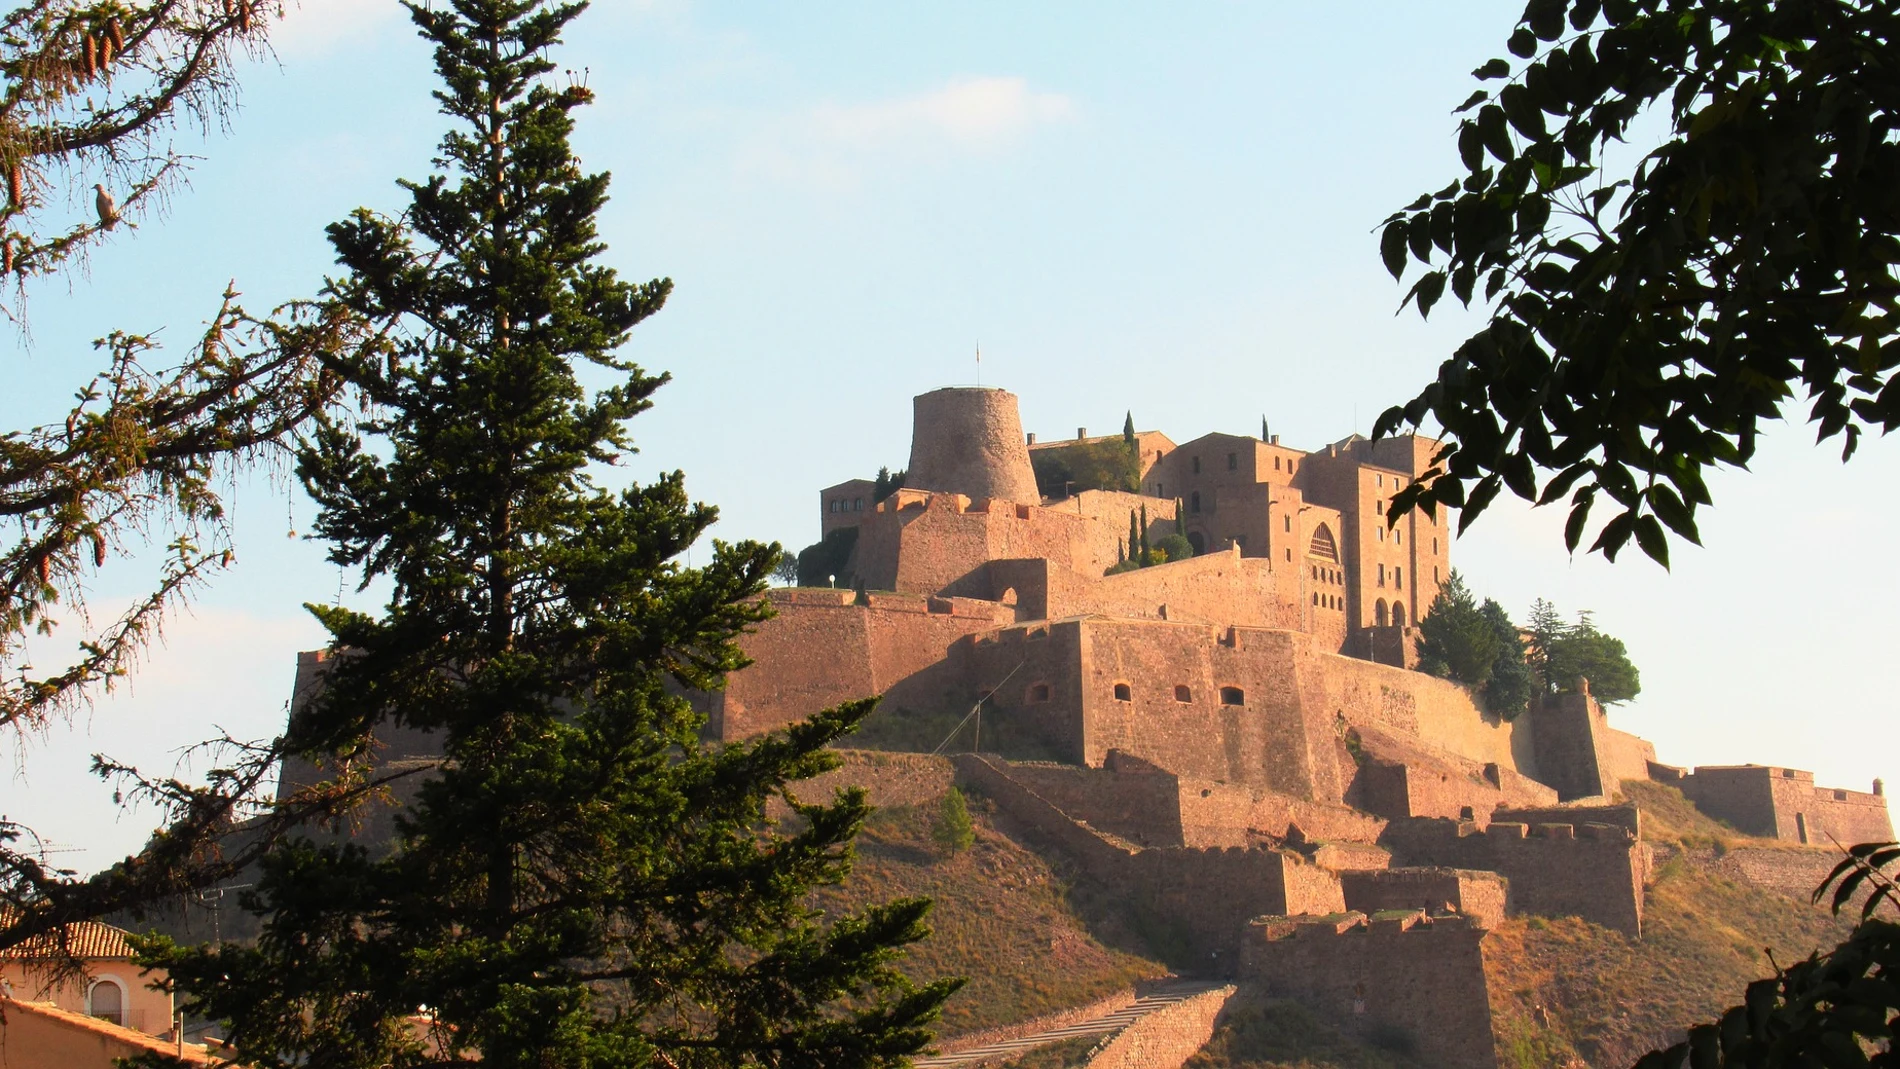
1391	975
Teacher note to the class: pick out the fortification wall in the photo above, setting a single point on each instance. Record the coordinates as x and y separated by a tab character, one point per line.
1201	897
970	441
1437	712
1578	751
1166	1038
1228	814
1421	979
822	649
1784	803
1107	512
1627	817
1206	703
1129	797
1220	588
1593	871
1397	778
1481	896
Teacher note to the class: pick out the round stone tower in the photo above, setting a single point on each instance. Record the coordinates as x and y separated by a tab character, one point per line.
969	440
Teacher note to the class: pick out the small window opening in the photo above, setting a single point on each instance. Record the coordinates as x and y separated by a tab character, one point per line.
1194	501
1399	536
1124	693
1380	532
1381	575
1398	578
1286	523
1233	696
858	505
1233	462
1038	693
1182	693
1196	462
1276	463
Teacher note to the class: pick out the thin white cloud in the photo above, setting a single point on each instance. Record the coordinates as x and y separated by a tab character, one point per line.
970	112
832	145
315	27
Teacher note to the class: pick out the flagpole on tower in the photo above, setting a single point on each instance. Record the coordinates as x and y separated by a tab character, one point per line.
979	363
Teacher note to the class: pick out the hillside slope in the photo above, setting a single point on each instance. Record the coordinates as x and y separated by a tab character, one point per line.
1564	988
1002	915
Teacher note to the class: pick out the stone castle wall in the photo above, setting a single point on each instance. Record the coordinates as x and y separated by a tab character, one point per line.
1406	978
1785	804
1592	871
1481	896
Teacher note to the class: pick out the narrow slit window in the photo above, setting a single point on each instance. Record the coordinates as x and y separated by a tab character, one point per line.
1124	692
1182	694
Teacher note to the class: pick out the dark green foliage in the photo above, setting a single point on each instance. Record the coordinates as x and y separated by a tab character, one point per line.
1145	554
953	830
1455	641
1110	464
821	561
1646	323
1508	692
1264	436
786	570
1128	434
1476	645
1134	534
581	882
887	483
1174	547
1562	652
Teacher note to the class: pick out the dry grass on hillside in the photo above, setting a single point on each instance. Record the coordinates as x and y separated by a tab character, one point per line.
1255	1032
1001	918
1608	998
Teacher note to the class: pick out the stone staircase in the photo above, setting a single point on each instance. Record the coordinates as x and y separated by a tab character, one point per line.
1159	997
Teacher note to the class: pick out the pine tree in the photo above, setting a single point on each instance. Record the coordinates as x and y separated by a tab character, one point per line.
1547	629
582	881
954	831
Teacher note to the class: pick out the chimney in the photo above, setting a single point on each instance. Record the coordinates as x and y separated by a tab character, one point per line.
1275	440
1880	789
1032	437
1081	433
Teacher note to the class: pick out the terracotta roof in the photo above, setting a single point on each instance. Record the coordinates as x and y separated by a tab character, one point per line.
194	1053
90	940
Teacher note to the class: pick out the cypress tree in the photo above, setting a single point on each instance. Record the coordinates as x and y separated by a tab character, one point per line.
1145	559
1128	430
582	881
1134	536
1264	436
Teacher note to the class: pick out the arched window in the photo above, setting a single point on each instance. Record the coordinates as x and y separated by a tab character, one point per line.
1194	500
1316	600
1276	463
1124	693
1322	545
834	504
1398	615
1196	543
106	999
1233	696
1182	693
1038	693
1378	613
858	505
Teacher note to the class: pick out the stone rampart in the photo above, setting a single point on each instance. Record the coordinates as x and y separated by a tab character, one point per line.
1478	895
1396	778
1202	898
1166	1038
1592	871
1627	817
1578	752
1401	979
1785	804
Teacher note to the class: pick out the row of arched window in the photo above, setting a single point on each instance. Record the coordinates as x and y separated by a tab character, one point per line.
1397	614
1329	601
841	504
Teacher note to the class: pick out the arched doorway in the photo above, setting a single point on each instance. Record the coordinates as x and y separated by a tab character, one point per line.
1197	543
1398	615
1378	613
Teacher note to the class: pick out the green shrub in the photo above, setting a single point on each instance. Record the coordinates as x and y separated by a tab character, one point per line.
954	830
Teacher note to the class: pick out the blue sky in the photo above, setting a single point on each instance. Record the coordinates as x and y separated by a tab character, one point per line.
1164	209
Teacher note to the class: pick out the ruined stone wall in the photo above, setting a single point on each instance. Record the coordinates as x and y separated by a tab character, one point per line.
1476	894
1592	871
1627	817
1396	778
888	779
1107	512
970	441
1408	977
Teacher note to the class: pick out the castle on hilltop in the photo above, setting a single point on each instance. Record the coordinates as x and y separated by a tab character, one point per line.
1234	743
